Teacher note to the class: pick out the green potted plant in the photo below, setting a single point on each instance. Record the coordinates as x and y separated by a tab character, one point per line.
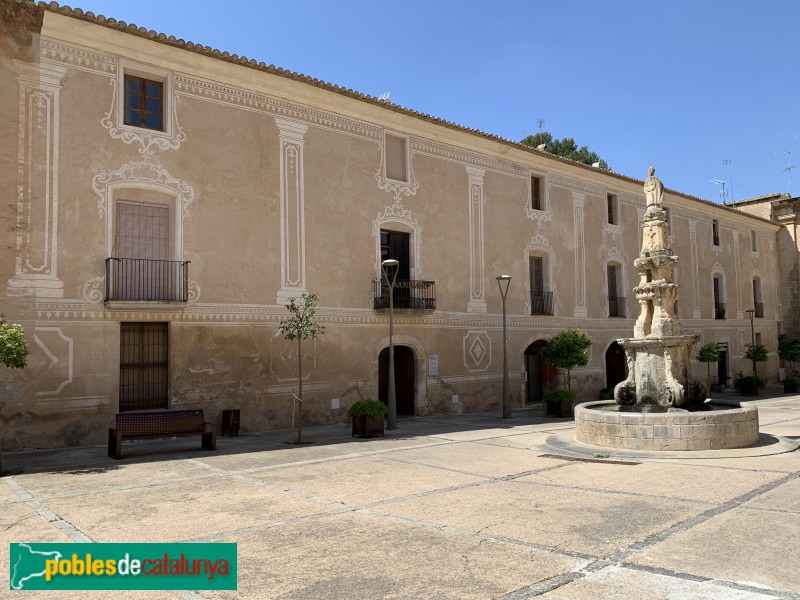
749	385
558	402
791	384
367	416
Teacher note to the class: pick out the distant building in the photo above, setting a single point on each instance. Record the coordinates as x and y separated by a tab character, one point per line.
164	200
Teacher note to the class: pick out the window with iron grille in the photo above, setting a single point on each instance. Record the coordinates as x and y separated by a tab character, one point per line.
143	371
144	103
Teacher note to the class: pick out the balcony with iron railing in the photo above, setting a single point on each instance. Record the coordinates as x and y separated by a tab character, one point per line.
146	280
759	306
616	306
408	293
541	303
719	310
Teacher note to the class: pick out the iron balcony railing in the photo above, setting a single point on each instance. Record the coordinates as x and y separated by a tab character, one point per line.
142	279
719	310
616	306
408	293
759	310
541	303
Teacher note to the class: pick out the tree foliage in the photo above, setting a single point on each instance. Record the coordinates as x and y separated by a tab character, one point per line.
302	325
13	350
789	350
565	147
709	353
756	353
567	350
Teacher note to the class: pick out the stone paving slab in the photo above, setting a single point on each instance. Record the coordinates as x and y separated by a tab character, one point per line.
490	461
362	556
364	480
173	512
620	583
746	546
519	440
786	498
669	480
591	523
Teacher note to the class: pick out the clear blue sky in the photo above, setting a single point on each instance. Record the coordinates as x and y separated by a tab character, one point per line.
679	84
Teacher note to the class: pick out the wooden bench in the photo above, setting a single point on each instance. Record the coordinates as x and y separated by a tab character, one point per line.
160	424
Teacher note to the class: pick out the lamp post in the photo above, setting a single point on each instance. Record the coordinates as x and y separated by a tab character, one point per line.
503	294
386	265
751	313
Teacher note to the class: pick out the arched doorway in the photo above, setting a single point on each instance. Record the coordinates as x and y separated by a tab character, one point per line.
403	378
540	377
616	365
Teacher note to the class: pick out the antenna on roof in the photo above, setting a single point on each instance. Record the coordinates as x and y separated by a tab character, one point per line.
541	124
723	194
385	96
789	169
727	163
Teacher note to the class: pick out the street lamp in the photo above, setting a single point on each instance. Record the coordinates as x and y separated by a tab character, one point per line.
751	313
386	265
503	294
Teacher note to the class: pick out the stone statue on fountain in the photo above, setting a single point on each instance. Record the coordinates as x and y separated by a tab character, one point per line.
659	377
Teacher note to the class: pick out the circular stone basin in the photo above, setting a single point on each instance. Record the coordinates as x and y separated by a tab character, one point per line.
598	424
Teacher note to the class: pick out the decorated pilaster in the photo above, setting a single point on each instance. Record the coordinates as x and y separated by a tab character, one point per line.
293	254
36	267
477	301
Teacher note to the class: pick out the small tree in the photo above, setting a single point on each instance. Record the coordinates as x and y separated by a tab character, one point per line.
789	351
13	351
301	326
756	353
708	354
567	350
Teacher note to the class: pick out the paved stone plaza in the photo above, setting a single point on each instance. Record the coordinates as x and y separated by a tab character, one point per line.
455	507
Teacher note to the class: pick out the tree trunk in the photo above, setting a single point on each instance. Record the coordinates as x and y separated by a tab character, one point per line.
299	390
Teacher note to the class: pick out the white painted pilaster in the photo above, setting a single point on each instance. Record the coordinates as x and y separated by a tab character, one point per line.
695	266
580	255
736	260
36	268
477	300
293	255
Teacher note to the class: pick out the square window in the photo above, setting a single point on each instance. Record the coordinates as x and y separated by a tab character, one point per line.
144	103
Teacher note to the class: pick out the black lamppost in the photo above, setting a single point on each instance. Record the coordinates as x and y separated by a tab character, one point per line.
751	313
503	294
386	265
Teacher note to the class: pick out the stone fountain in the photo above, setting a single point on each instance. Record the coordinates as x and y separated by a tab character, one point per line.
658	407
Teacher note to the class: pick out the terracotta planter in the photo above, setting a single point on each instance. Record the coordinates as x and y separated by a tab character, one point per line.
364	426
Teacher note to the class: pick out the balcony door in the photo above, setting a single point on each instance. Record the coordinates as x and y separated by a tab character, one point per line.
396	245
142	240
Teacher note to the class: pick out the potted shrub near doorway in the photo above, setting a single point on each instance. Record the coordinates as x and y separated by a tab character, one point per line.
367	416
558	403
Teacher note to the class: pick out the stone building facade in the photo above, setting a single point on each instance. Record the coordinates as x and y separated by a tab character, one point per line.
163	200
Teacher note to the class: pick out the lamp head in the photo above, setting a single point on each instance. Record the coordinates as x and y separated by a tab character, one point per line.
390	262
503	278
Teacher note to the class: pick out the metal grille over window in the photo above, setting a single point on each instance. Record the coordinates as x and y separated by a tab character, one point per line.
143	366
140	269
